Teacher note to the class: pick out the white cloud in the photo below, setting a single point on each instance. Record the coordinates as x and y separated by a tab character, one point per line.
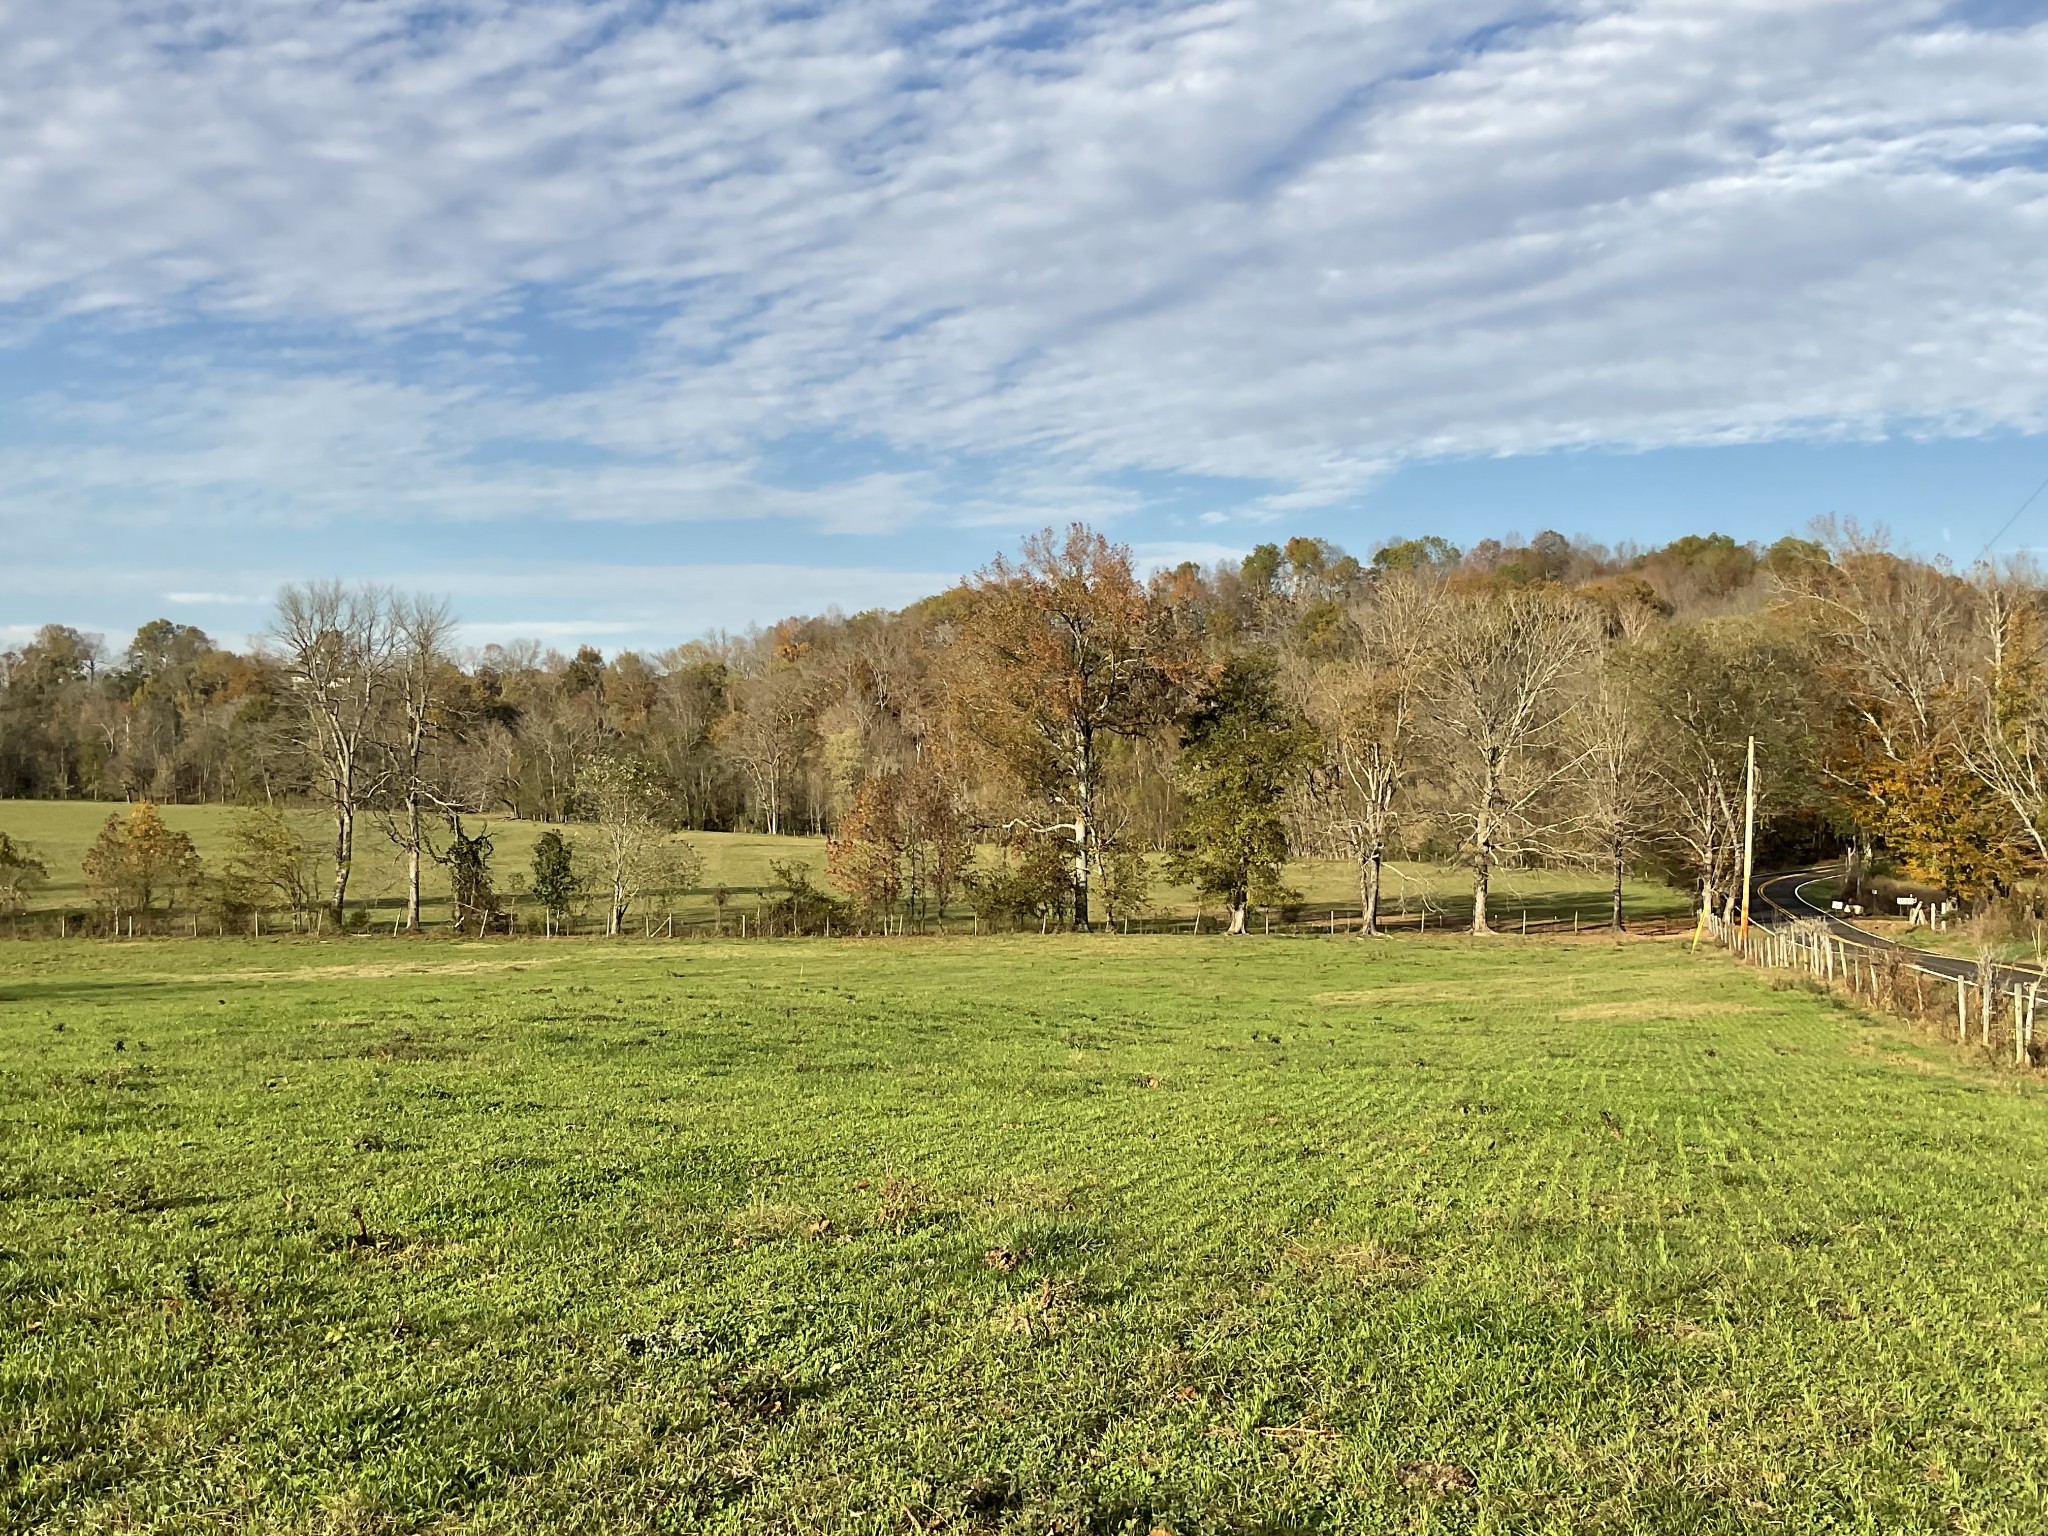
1165	555
560	603
1291	242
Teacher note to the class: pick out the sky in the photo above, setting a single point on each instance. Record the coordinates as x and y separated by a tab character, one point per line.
621	321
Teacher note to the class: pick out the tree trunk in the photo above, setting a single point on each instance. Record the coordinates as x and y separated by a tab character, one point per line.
1369	874
412	867
1482	846
1084	816
344	852
1616	922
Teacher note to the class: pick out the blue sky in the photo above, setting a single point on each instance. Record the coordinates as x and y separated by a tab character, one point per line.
623	320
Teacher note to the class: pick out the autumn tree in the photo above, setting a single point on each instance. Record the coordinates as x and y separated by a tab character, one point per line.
1057	653
1245	747
1893	643
135	859
903	841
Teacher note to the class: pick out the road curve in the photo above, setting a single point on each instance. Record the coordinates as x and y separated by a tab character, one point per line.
1784	899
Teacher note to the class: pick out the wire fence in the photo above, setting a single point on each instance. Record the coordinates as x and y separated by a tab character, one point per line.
1983	1003
775	920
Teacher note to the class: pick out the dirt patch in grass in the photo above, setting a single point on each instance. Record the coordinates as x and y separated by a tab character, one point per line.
1399	993
1653	1008
1365	1262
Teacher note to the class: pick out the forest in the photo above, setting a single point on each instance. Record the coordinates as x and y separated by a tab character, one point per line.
1050	735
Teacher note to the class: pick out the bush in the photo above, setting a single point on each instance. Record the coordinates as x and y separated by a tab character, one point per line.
802	905
1034	883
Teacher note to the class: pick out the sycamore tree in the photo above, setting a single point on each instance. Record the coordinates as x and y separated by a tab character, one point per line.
1608	738
2002	721
1245	747
336	645
1497	690
636	854
422	676
1058	653
1364	705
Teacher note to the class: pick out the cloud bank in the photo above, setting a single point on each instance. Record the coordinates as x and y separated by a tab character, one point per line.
879	262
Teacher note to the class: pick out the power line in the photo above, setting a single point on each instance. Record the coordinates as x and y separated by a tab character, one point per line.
2006	526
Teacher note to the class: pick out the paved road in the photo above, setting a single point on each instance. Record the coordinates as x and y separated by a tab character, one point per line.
1784	897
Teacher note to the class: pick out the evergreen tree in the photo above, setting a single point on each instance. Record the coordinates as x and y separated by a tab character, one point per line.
1245	751
555	881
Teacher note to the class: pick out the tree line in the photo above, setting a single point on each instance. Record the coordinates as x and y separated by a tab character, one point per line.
1051	735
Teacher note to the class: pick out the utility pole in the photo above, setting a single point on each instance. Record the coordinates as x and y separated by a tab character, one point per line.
1748	834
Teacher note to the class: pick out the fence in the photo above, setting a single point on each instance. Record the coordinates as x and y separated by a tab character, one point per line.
1996	1003
774	921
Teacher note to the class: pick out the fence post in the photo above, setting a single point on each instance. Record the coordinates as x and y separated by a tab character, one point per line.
1962	1013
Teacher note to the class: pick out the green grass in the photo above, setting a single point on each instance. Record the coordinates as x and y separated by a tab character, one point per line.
1020	1235
61	831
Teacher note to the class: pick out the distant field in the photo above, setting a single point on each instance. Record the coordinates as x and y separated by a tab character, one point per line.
1015	1235
61	831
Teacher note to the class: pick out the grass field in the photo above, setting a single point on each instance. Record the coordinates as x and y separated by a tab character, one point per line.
61	831
1021	1235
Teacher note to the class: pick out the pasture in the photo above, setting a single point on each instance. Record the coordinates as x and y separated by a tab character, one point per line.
60	831
1011	1235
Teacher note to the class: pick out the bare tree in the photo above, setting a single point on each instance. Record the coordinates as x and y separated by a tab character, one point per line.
1496	689
335	645
769	733
637	856
1710	687
2002	729
1608	733
421	630
1363	707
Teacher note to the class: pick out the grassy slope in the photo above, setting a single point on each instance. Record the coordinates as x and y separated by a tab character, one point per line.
61	831
692	1237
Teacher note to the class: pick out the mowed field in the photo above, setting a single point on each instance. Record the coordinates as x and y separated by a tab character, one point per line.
1012	1235
61	831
